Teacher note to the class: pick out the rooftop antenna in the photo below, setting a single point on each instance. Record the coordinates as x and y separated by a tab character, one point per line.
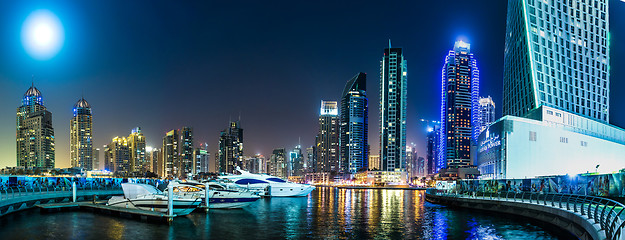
239	116
299	141
389	43
32	81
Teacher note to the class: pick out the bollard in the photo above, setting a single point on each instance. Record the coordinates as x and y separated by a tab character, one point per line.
206	197
74	191
170	200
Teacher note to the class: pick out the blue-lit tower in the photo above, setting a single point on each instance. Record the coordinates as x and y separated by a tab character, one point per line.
393	90
81	136
459	107
34	132
355	125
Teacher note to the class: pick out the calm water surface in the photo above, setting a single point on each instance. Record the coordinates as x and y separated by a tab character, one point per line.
327	213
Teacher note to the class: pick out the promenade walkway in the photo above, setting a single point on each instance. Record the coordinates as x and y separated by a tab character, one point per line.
602	218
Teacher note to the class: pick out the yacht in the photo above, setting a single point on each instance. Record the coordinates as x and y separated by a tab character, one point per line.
148	197
270	185
219	196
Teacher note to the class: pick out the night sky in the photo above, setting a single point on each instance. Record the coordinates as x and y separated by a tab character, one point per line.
161	65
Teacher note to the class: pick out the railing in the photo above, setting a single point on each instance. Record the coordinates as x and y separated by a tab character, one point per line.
7	193
609	214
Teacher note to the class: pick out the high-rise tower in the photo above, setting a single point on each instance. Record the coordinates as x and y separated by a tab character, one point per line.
393	90
34	132
81	136
185	163
230	153
355	125
328	138
487	112
136	146
459	106
557	55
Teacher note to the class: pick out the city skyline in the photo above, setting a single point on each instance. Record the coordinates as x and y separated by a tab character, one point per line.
259	109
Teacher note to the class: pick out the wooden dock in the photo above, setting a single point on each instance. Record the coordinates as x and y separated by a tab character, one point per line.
102	208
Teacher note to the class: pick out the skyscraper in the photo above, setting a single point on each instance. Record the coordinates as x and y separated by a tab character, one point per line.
297	161
459	106
393	90
170	154
557	55
487	112
96	159
328	138
185	161
81	136
374	162
277	163
201	158
136	145
355	125
117	156
34	135
230	153
310	159
432	163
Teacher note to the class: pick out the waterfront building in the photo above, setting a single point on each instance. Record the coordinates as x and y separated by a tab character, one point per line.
278	164
421	169
354	144
185	162
547	142
81	136
117	156
296	160
374	162
393	90
230	153
156	158
317	178
136	144
557	54
34	132
381	178
256	164
459	107
170	154
201	162
310	159
96	159
487	112
328	138
432	141
412	167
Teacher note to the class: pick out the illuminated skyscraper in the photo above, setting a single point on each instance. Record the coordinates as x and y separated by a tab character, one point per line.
393	90
117	156
277	163
328	138
230	153
170	154
201	158
355	125
81	136
557	55
487	112
459	107
96	159
136	145
34	132
310	159
185	161
297	161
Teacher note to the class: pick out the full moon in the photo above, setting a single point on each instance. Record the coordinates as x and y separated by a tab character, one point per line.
42	35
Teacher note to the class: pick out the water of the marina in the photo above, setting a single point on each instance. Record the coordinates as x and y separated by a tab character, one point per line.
327	213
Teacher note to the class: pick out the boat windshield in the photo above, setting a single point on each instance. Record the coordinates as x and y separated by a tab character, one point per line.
276	180
249	181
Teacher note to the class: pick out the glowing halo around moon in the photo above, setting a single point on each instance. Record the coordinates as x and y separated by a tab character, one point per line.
42	35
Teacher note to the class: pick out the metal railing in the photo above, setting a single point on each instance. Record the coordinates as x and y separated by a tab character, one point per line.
7	193
609	214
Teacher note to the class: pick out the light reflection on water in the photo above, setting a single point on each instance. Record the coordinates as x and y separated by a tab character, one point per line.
328	213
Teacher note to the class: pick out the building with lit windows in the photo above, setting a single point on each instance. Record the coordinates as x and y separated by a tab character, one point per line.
34	135
117	156
393	91
81	136
487	112
374	162
170	154
201	162
185	161
230	153
296	160
557	54
277	164
354	125
136	144
459	107
328	138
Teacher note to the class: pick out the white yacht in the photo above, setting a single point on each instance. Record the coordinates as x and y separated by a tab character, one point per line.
147	197
270	185
219	196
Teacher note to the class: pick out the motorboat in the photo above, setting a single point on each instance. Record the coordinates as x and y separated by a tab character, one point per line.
273	186
219	195
148	197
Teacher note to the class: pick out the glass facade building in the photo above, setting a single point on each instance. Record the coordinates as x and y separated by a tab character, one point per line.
487	112
327	141
393	91
81	137
230	152
557	55
459	107
355	125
